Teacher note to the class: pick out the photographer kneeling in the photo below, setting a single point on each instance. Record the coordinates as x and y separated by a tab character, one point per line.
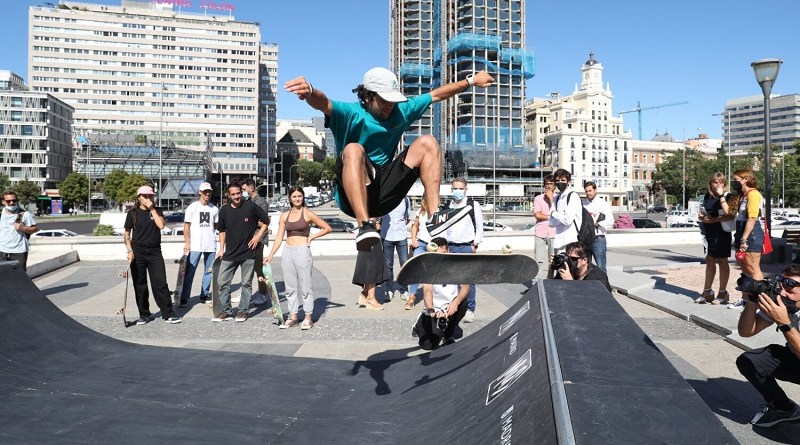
573	264
763	367
445	306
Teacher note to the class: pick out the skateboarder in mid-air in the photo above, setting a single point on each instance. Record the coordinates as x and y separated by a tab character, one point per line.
370	180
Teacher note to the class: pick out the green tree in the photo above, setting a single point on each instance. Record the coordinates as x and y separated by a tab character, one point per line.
329	168
5	182
112	184
698	170
27	191
74	189
127	191
310	172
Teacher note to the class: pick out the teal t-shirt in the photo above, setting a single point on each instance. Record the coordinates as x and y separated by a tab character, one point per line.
350	122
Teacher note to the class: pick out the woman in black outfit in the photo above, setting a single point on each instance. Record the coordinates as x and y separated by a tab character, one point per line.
713	212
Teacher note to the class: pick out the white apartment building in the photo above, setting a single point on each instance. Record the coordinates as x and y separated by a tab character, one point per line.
743	122
151	68
35	134
586	139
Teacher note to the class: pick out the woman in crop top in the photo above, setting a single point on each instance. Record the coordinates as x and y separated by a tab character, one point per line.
296	257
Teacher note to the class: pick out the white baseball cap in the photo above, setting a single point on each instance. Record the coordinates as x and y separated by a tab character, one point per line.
204	186
384	82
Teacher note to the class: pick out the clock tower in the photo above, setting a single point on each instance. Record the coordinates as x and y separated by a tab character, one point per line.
591	74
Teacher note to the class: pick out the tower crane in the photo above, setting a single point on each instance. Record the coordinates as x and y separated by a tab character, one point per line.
639	110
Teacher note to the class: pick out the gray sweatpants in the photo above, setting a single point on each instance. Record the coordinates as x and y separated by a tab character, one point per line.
296	263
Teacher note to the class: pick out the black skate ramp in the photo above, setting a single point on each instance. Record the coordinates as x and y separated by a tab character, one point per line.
61	383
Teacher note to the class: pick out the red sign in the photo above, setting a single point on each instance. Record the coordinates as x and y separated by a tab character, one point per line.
206	4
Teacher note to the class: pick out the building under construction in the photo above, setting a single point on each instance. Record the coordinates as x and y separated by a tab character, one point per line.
481	132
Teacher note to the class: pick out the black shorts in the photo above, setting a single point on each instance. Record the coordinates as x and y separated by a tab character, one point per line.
389	184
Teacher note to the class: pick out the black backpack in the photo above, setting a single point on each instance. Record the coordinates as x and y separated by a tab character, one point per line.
586	232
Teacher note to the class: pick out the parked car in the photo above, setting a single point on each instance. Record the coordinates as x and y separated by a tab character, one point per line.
684	225
174	217
645	223
658	209
55	233
496	227
338	224
788	223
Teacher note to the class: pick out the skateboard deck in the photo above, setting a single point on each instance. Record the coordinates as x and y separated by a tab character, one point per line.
273	293
176	295
125	274
216	305
472	268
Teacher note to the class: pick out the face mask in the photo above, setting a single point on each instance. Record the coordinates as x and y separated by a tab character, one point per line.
736	186
245	195
12	208
458	195
561	186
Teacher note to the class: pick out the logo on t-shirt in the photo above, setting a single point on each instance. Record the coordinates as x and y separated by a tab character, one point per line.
205	219
246	219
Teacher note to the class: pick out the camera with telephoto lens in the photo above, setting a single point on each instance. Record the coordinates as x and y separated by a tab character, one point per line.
559	260
770	286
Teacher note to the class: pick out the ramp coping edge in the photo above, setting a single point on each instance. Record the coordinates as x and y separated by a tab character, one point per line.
563	421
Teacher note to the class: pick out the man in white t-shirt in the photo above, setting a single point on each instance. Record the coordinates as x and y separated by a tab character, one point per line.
200	238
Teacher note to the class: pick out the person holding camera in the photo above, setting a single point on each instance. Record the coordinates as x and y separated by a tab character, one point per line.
763	367
573	264
445	306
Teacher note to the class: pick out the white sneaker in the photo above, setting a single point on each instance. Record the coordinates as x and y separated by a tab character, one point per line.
469	317
404	296
737	304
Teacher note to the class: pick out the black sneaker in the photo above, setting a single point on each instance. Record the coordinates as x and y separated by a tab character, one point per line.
367	237
205	300
143	320
173	320
770	416
443	219
184	303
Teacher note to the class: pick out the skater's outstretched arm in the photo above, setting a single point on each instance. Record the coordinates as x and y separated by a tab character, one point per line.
480	79
305	91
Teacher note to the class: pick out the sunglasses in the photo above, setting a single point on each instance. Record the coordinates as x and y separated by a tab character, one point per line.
788	282
11	201
575	258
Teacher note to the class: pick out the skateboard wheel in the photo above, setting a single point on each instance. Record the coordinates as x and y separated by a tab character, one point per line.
432	247
506	248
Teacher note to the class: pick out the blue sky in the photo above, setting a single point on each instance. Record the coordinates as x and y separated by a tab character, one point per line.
654	52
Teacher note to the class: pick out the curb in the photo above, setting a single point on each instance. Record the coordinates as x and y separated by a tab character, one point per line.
52	264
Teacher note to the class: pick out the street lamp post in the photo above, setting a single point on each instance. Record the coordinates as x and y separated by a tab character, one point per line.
290	173
766	71
89	172
730	173
494	161
160	143
683	175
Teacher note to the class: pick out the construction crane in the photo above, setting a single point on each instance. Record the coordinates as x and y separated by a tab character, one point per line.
639	110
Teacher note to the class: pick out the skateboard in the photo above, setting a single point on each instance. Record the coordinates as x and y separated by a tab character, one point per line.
472	268
216	305
125	274
273	293
176	295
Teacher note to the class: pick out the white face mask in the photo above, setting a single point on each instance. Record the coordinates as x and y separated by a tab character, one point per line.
245	195
12	208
